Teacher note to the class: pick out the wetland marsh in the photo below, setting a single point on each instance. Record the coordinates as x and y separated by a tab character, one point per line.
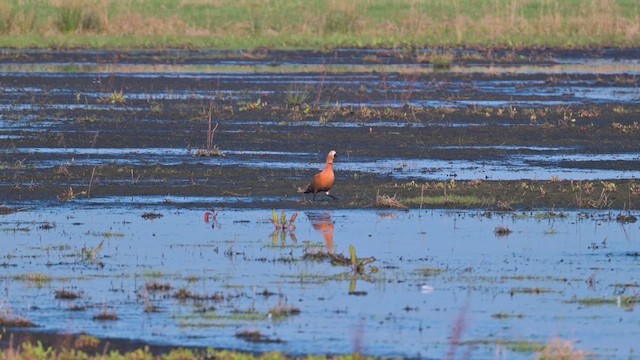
520	171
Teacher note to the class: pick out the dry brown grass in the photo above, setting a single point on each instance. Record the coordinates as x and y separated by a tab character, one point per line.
559	349
387	201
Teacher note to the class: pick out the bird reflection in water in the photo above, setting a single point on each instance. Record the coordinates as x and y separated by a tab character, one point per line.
323	223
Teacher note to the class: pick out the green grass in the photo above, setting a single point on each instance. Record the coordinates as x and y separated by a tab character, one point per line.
453	199
29	350
624	300
319	24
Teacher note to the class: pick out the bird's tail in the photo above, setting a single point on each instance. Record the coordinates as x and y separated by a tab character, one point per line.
303	189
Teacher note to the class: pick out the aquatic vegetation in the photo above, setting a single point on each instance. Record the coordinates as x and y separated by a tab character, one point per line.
8	320
186	294
528	290
429	272
116	98
503	231
618	300
157	286
151	215
38	279
66	295
255	336
561	349
282	311
503	316
105	315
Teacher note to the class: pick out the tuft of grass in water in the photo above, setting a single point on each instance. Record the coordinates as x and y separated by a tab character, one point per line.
280	311
502	231
38	279
429	272
66	295
620	300
10	320
105	316
560	349
504	316
157	286
530	291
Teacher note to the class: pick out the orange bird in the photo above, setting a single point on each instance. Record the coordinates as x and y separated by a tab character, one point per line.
323	180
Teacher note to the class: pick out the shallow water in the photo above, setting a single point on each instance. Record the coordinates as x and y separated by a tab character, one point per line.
542	163
435	267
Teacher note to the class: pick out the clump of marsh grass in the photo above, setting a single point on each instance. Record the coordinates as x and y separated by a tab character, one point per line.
106	316
151	215
282	311
255	336
297	95
186	294
66	295
8	319
561	349
503	230
386	201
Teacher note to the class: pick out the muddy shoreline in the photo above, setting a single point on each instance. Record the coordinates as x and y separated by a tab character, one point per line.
53	120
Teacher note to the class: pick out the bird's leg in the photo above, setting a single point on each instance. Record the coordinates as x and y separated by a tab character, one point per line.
314	197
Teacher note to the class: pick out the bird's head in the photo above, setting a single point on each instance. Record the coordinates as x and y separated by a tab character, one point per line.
331	156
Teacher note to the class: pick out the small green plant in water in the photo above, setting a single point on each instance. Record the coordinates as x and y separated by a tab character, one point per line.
116	98
283	227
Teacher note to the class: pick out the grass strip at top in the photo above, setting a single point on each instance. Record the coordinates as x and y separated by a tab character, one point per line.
229	24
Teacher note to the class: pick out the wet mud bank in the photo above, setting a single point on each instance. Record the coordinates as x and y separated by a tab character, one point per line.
95	125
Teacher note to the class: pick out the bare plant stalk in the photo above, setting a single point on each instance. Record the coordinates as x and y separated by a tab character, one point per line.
93	173
322	78
211	131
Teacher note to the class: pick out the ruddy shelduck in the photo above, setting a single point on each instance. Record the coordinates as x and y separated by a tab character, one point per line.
323	180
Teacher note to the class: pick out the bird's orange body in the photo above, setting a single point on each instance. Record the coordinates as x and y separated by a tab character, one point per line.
323	180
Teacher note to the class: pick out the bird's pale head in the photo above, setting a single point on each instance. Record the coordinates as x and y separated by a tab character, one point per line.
332	154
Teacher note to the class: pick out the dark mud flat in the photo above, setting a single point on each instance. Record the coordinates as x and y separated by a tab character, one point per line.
105	196
99	125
